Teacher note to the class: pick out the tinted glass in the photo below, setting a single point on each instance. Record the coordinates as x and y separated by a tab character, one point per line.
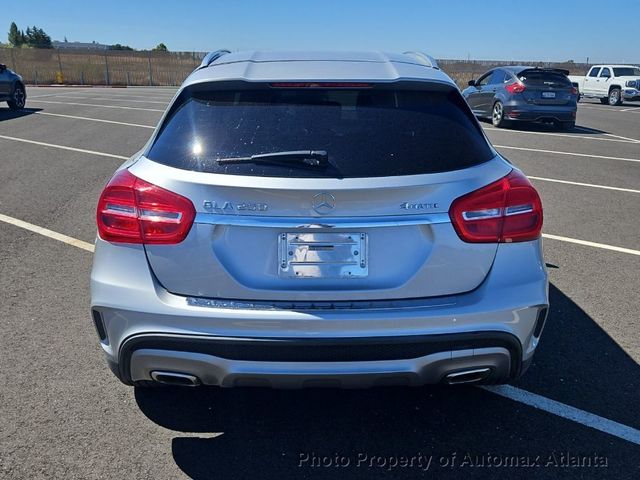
497	77
605	72
626	71
485	80
542	78
365	132
594	72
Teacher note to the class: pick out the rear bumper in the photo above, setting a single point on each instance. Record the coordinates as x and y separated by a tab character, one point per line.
539	113
147	329
297	363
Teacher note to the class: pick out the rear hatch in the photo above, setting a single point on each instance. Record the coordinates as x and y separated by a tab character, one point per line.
367	222
547	87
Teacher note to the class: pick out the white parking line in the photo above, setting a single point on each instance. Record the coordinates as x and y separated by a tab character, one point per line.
566	135
125	100
47	233
57	94
635	110
566	411
586	243
101	106
556	152
580	184
62	147
95	120
591	130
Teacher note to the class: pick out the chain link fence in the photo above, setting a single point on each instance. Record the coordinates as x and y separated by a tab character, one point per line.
148	68
100	67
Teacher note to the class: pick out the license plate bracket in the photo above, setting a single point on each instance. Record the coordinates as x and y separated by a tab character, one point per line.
323	255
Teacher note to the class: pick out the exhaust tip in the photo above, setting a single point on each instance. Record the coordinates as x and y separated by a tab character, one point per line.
467	376
175	379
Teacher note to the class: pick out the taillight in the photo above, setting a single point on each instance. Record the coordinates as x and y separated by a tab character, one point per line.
516	87
574	91
505	211
131	210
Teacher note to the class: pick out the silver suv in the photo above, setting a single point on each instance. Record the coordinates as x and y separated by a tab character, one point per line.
318	219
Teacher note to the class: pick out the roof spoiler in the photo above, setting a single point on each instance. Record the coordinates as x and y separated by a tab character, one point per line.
423	58
211	57
549	69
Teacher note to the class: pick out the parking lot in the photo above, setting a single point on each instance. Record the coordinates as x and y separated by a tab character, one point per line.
64	415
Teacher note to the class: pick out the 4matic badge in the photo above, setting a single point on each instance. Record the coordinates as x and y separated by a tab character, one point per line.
418	206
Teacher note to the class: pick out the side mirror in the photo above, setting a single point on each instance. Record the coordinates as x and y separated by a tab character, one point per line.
472	83
3	67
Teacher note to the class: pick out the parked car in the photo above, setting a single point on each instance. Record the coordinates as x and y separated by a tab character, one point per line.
610	83
12	89
318	219
524	94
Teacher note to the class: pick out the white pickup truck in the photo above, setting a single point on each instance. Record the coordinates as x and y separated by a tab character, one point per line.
610	83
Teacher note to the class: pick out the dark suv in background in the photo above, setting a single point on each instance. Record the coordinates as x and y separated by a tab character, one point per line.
522	93
12	89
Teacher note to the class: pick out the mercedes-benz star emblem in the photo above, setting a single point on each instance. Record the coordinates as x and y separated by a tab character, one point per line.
323	202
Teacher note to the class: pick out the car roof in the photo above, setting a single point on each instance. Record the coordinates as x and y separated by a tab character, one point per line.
615	66
282	66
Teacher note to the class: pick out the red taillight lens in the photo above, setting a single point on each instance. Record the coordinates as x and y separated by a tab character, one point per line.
505	211
515	88
131	210
574	91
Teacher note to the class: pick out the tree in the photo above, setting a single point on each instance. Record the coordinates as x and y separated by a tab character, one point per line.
117	46
34	37
39	39
161	47
15	37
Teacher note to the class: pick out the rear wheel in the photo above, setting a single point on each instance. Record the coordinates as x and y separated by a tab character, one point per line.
497	115
18	98
614	97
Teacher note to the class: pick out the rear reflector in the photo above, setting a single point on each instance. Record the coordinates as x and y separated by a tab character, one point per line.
131	210
516	87
99	324
505	211
320	85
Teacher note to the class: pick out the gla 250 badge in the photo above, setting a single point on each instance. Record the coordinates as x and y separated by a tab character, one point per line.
227	207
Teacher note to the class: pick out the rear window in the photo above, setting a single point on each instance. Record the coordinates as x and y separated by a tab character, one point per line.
626	71
541	78
366	132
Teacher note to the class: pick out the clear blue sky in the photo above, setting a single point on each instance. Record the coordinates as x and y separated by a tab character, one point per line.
482	29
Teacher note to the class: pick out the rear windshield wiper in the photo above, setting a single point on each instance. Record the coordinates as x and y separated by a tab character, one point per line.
311	158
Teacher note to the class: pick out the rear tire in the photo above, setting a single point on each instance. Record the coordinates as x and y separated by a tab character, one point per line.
615	97
497	115
19	98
